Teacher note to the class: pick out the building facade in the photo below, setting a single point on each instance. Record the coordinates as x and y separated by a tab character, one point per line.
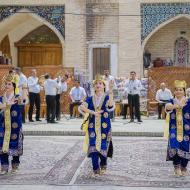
93	35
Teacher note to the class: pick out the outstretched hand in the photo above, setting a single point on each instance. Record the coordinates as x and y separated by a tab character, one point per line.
111	85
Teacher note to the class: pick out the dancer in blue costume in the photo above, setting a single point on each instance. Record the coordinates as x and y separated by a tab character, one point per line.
98	140
11	137
179	129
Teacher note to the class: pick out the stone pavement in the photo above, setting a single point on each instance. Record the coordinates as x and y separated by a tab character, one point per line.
150	127
55	161
50	187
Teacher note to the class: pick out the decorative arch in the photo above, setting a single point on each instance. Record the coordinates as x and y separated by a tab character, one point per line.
51	16
161	26
46	14
156	29
154	14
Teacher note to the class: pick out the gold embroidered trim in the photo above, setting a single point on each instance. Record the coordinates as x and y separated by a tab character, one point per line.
179	123
7	134
98	122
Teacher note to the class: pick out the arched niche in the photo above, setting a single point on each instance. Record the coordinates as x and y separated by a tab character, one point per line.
39	47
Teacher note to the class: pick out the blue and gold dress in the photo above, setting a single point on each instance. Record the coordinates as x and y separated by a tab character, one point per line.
179	132
98	132
11	136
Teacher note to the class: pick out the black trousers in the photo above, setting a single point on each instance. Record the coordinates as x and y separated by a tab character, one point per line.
124	110
160	106
51	108
34	99
180	161
72	106
57	113
22	110
134	103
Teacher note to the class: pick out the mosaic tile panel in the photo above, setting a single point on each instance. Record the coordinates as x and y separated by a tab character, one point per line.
53	14
153	14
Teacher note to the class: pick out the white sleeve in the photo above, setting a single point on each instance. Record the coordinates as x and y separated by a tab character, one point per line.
84	93
31	82
71	92
140	85
127	86
63	87
171	96
56	84
157	96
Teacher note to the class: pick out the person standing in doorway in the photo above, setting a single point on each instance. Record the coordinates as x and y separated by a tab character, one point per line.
133	87
34	95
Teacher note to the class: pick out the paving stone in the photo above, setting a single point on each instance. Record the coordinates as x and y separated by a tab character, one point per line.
137	162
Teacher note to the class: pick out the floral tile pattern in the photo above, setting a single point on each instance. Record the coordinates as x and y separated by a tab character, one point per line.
153	14
53	14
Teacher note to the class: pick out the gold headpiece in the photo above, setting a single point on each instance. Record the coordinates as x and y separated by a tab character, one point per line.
180	84
9	78
99	77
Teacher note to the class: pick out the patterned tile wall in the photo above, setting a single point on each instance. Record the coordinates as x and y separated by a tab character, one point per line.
153	14
52	14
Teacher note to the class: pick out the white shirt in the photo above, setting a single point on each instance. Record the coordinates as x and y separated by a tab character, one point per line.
50	87
107	80
133	86
163	95
33	84
62	86
22	83
77	94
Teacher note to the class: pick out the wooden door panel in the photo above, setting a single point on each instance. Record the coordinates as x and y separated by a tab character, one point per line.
36	58
24	58
101	60
39	55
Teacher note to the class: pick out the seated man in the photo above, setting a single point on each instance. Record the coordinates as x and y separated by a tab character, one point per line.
77	95
162	97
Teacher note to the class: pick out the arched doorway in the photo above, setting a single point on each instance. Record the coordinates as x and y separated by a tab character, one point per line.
169	42
17	26
39	47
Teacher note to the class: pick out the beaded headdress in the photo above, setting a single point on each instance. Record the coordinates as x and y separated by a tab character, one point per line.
180	84
99	77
